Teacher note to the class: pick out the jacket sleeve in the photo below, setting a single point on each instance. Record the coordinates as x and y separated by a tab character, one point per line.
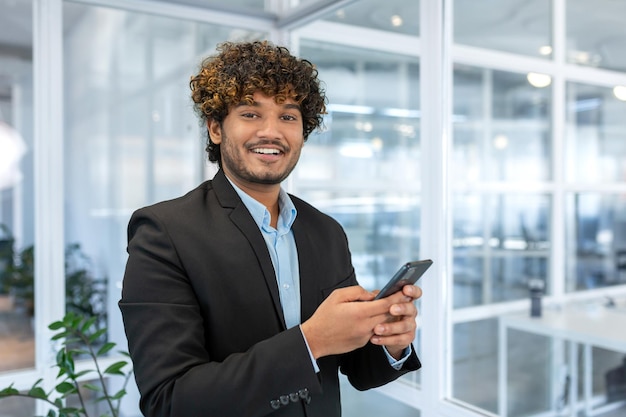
368	367
164	326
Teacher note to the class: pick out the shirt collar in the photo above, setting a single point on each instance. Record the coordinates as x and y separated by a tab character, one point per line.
261	214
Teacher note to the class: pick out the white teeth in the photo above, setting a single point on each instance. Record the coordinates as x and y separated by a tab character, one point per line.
266	151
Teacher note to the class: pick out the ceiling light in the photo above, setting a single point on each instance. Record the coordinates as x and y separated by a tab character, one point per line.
356	150
396	20
619	91
545	50
349	108
582	57
396	112
13	149
500	142
364	126
377	143
538	80
341	13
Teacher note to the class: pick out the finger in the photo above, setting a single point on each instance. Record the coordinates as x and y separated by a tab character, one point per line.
403	309
394	340
353	293
397	327
412	291
396	298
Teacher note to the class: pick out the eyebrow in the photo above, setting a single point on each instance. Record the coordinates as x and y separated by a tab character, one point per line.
288	106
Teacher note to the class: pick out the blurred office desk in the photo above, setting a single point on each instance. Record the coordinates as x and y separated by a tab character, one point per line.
582	327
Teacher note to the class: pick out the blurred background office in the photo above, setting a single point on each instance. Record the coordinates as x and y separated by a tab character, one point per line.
488	135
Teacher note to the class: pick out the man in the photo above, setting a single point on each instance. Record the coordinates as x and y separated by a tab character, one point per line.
239	299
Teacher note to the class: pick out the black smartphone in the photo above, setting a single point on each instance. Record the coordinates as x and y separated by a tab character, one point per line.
408	273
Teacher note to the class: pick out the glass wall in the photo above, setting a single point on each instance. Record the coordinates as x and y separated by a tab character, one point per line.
601	47
501	136
520	27
501	231
596	150
363	169
17	342
537	185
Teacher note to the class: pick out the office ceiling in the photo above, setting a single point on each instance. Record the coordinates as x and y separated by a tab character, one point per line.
602	44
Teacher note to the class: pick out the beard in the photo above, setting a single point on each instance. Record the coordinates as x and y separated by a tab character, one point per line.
234	162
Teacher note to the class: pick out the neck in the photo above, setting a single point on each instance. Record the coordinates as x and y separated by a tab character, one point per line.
266	194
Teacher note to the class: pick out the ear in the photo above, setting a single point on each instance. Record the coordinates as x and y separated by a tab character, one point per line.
215	131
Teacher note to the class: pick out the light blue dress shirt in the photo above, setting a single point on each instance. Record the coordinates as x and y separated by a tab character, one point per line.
281	245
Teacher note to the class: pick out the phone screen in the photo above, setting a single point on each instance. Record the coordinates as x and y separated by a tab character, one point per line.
408	273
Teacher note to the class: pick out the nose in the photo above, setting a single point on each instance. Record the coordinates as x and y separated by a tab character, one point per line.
269	128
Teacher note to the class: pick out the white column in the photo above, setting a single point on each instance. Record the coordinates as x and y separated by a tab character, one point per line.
435	105
48	179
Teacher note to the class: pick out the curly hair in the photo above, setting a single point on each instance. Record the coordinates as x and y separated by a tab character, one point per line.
240	69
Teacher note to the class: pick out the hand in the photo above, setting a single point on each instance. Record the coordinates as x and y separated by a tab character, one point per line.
344	321
397	332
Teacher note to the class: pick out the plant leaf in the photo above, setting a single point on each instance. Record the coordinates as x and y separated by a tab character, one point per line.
56	325
37	392
88	323
104	349
81	373
115	368
8	391
92	387
96	335
118	395
60	335
66	388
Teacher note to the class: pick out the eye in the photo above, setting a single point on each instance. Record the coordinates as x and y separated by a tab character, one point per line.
248	115
289	117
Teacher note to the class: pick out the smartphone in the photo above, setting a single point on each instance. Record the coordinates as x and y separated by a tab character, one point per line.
408	273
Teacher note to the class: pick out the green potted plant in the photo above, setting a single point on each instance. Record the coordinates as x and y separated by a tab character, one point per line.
85	293
79	337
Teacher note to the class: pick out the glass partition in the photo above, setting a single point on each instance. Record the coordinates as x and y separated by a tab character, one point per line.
232	5
17	342
363	169
595	134
596	240
521	27
501	127
596	151
501	242
595	33
395	16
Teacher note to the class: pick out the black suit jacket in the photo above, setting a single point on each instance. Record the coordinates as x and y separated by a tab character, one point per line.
203	318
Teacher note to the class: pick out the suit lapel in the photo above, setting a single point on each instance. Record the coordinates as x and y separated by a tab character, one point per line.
308	265
242	219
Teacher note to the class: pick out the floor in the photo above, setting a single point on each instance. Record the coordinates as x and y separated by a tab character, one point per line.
17	351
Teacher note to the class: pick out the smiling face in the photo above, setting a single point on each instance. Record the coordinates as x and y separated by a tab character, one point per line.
260	142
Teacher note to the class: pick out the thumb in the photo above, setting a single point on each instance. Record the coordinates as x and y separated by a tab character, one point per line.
354	293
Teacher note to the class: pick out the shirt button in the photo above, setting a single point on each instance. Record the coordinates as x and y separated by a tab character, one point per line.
286	286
